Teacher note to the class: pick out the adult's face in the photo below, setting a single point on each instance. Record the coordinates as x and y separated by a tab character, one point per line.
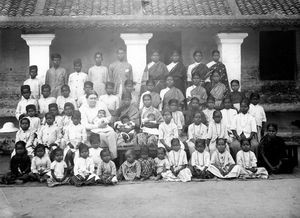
121	55
92	100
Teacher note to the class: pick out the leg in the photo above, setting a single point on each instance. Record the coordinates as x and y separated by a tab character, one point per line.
235	146
254	146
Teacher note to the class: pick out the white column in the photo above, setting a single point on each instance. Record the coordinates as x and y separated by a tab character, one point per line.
136	54
39	52
229	45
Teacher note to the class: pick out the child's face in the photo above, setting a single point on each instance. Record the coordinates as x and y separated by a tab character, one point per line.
121	55
56	62
155	57
147	101
24	125
175	57
227	103
65	92
210	105
200	147
31	112
216	56
59	156
101	114
26	93
221	146
197	118
254	100
46	92
170	82
130	158
144	155
33	73
160	154
173	107
235	86
215	77
244	108
75	120
126	101
167	117
77	67
68	110
53	110
129	87
198	57
271	131
195	105
106	158
40	152
98	59
246	146
196	80
217	117
87	88
84	153
109	90
49	120
20	149
150	87
175	146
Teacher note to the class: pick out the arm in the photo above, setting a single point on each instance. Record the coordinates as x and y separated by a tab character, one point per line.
84	121
138	170
113	169
84	135
53	175
58	136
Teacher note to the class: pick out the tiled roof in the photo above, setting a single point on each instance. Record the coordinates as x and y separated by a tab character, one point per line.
265	7
17	7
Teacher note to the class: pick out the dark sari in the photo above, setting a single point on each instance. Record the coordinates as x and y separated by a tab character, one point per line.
132	112
202	69
221	69
173	93
179	75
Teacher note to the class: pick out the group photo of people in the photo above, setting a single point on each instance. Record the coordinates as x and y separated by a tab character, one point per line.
184	123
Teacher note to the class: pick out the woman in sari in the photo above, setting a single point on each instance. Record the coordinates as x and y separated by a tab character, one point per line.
156	71
199	67
178	71
218	89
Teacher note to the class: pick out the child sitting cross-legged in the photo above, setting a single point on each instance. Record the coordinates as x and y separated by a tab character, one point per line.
162	166
222	164
248	162
40	164
131	169
84	168
58	174
147	164
178	162
107	169
200	161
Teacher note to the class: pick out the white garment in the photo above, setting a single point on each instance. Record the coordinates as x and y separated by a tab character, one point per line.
189	90
99	76
162	95
208	114
21	107
44	104
244	123
76	84
59	168
189	71
40	165
112	101
150	64
75	134
178	119
35	87
168	132
83	166
178	159
228	117
246	159
216	130
95	155
200	160
258	112
49	134
211	64
171	66
197	131
35	124
61	100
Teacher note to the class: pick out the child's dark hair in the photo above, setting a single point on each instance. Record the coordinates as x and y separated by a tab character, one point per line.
69	104
55	55
227	98
169	76
129	82
88	83
195	99
109	84
220	139
77	61
234	81
82	147
25	87
216	112
24	118
199	142
144	150
245	140
175	140
104	152
245	101
166	111
215	51
161	149
147	95
21	143
130	151
65	86
274	125
33	67
30	106
39	146
46	86
196	52
53	105
210	98
49	115
58	150
254	95
196	74
150	81
98	53
173	101
76	114
126	95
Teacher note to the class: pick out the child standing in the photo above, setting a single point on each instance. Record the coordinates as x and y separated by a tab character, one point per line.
178	162
196	90
200	161
45	100
228	114
40	164
107	169
35	122
25	100
218	89
210	109
196	130
147	163
77	80
64	98
177	115
222	164
131	169
53	108
248	162
129	88
33	82
258	112
19	166
84	168
154	95
162	166
58	174
236	96
109	99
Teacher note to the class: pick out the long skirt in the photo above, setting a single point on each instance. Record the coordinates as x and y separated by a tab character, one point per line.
261	173
234	173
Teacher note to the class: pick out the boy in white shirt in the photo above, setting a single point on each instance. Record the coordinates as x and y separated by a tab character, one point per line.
45	100
64	98
112	101
87	87
25	100
33	82
228	114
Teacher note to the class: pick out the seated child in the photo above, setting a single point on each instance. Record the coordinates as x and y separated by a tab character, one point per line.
196	130
131	169
102	122
87	87
222	164
177	115
25	100
126	128
210	108
228	114
155	97
218	88
196	90
200	161
248	162
33	82
40	164
178	162
84	168
109	99
216	129
95	152
147	163
58	174
236	96
45	100
162	166
35	122
258	112
149	119
64	98
107	169
19	165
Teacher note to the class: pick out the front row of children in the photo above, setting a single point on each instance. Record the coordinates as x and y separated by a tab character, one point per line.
169	166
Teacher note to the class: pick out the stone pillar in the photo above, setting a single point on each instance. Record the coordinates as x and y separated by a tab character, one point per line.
136	54
39	52
229	45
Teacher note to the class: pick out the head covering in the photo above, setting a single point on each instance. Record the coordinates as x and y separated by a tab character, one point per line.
8	127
